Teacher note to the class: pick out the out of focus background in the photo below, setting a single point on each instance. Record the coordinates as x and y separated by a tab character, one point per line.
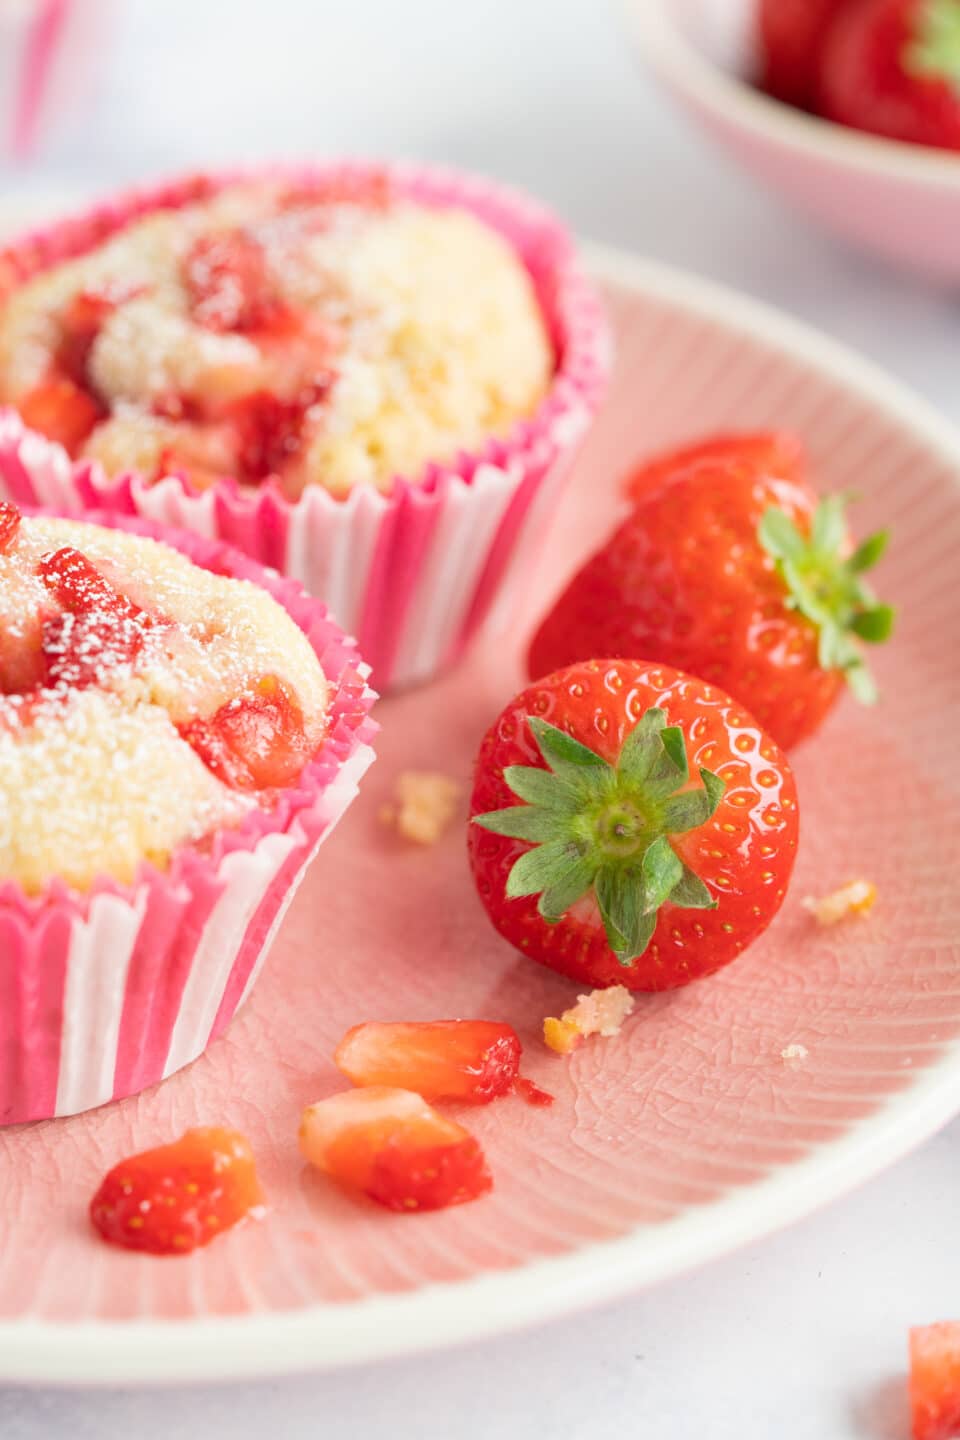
548	94
802	1337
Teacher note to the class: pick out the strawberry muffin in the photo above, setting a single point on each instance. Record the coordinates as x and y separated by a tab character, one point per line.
360	376
174	742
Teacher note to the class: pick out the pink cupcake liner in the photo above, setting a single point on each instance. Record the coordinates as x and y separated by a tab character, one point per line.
105	992
412	573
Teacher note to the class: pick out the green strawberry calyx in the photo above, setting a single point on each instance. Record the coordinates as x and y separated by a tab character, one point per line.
934	51
604	829
827	587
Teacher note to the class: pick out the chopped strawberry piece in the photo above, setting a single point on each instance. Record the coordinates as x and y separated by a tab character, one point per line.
170	405
77	584
395	1148
177	1197
9	525
270	430
99	629
81	323
255	742
228	284
935	1381
60	410
441	1059
532	1093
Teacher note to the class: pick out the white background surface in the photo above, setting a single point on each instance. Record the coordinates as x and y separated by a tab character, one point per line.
801	1337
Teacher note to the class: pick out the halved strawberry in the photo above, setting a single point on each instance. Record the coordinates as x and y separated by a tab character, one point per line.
775	453
254	742
228	283
395	1148
174	1198
935	1380
61	410
9	525
441	1059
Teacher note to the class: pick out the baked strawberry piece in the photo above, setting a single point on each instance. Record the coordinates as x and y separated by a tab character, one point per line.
728	572
892	67
391	1146
935	1381
631	825
177	1197
473	1060
791	34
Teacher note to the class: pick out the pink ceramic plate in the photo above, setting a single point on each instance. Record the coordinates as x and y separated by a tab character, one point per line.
683	1137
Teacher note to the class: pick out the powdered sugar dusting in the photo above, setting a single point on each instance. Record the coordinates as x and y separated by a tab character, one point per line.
94	775
399	334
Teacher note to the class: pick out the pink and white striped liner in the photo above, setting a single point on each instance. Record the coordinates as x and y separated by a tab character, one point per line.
411	573
106	992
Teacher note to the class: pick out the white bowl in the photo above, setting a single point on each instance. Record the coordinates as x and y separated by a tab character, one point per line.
898	201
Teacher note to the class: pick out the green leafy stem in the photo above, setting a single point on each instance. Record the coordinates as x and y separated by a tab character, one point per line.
602	828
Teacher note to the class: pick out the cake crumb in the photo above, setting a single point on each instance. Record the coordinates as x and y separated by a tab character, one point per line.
602	1012
792	1053
423	806
857	897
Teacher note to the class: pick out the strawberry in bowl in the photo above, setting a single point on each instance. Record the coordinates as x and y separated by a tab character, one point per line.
791	34
892	68
631	825
732	569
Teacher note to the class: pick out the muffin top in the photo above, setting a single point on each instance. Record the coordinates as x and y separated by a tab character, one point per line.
325	337
144	701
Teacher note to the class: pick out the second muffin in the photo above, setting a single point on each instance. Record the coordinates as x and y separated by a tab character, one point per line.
386	364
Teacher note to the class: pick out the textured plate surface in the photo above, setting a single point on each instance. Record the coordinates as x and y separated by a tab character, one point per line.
687	1134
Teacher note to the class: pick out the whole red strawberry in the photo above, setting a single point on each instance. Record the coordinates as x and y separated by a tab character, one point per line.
732	574
594	849
773	452
791	33
892	67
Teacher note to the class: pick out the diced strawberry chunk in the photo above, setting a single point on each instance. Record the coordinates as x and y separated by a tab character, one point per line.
255	742
177	1197
9	525
442	1059
81	323
395	1148
228	284
77	584
99	629
60	410
270	430
775	453
935	1381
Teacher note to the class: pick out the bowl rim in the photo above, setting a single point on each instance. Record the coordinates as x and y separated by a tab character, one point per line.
677	62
